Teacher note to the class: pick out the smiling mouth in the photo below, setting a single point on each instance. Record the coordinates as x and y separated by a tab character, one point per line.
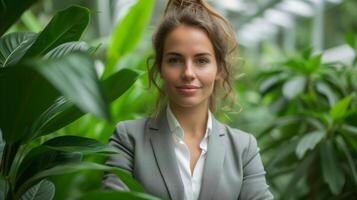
188	89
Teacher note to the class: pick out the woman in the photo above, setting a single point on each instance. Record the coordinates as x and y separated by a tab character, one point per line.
184	152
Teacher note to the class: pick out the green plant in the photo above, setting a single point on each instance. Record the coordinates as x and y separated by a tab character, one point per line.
132	43
313	140
47	81
10	12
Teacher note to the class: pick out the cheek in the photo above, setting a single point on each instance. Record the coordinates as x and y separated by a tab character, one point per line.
209	78
168	76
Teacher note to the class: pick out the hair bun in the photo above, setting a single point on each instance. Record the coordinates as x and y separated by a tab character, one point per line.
181	4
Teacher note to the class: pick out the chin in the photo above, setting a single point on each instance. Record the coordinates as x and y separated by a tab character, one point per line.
187	103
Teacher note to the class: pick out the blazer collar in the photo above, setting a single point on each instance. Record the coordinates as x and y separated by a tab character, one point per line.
162	144
163	147
214	161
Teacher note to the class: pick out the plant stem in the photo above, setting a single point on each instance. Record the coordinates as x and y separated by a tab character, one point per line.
10	151
313	179
7	159
10	193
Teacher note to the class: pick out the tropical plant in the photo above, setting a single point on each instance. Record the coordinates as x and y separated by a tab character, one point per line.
134	103
47	81
313	140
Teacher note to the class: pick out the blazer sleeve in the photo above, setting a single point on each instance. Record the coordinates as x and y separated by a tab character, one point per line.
125	146
254	185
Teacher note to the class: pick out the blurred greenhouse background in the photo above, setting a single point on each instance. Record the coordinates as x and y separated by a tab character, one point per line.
296	86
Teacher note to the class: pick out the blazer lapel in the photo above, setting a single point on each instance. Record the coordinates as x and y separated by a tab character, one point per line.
214	161
162	144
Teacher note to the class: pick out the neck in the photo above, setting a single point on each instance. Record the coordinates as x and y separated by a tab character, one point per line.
193	120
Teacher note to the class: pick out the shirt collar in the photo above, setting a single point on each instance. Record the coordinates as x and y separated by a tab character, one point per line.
176	128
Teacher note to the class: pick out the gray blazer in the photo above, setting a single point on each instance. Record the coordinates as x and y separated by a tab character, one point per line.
233	168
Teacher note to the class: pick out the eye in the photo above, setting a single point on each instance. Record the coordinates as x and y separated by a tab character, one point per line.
202	61
174	60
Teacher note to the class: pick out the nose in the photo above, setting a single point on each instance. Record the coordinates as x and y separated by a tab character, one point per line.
188	73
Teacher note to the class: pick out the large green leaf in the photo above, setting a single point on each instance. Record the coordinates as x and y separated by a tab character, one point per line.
308	142
25	94
84	145
296	66
29	90
53	111
115	195
39	159
67	48
78	81
14	45
320	120
351	140
57	116
65	112
349	129
31	21
67	25
127	33
331	77
300	171
281	122
294	87
327	91
331	169
306	54
272	82
340	108
10	12
74	167
120	81
313	64
282	153
344	148
44	190
350	39
317	122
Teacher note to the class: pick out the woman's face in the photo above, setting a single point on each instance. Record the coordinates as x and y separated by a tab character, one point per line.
189	67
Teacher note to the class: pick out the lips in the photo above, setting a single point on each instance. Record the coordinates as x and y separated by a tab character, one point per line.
188	89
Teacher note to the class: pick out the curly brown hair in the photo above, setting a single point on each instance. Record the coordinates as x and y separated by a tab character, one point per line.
200	15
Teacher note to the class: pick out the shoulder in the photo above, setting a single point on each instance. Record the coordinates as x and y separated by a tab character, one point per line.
242	142
130	124
245	139
131	128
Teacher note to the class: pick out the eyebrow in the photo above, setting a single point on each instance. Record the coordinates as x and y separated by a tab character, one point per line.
197	55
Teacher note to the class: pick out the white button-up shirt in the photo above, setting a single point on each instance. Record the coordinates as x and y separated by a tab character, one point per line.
192	184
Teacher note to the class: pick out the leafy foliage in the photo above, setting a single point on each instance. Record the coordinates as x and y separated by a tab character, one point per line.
314	103
11	10
47	81
116	195
14	45
43	190
127	34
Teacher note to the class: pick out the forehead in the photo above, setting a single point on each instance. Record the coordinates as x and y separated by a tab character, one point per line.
188	40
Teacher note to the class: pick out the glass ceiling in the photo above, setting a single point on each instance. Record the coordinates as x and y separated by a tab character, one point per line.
259	20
